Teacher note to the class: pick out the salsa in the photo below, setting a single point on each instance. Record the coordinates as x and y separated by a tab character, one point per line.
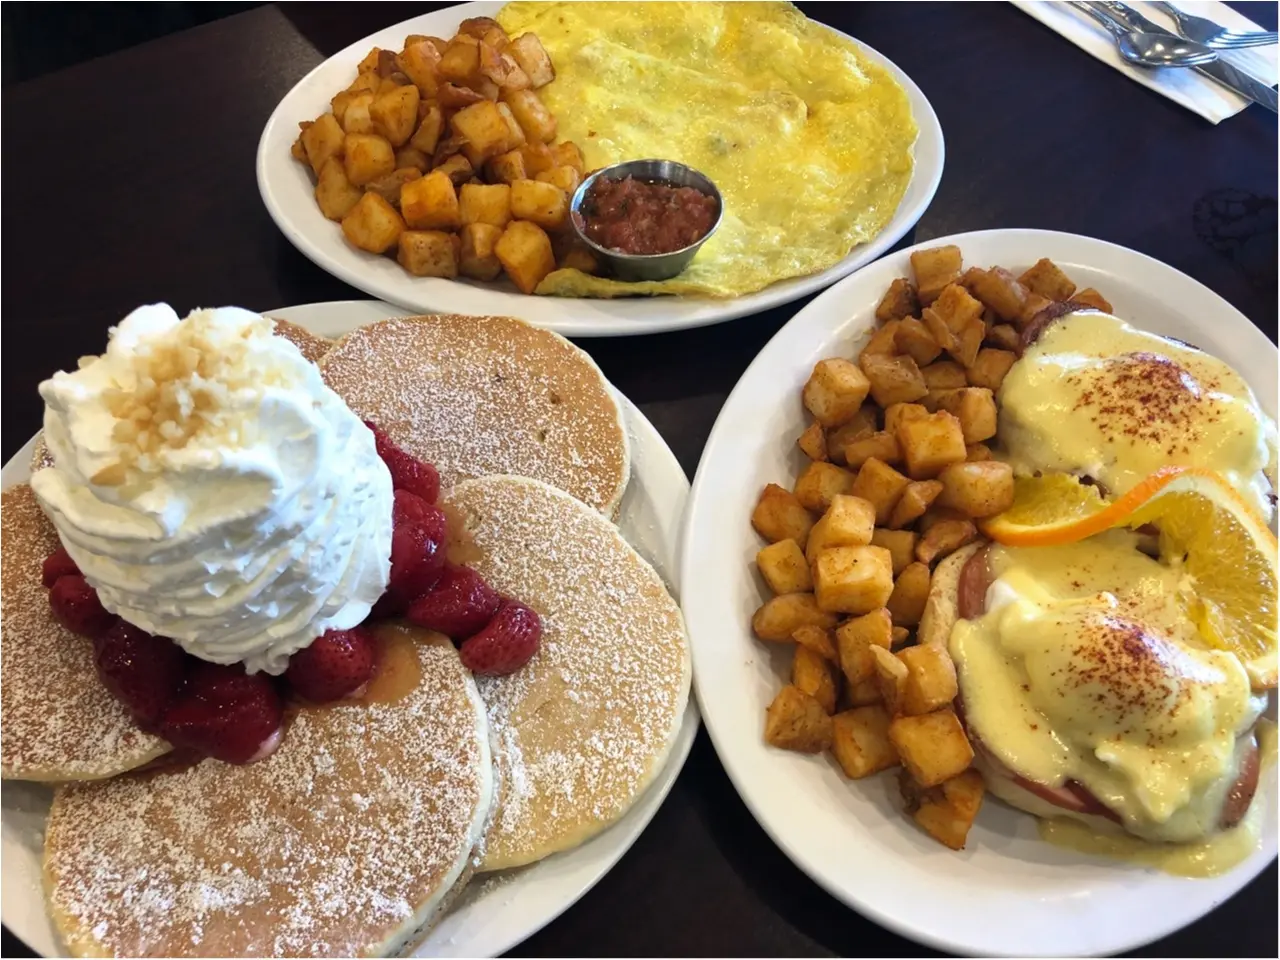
639	217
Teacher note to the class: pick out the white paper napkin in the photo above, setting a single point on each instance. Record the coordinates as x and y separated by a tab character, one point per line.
1197	93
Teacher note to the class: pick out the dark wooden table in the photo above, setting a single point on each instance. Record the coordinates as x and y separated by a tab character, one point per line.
129	180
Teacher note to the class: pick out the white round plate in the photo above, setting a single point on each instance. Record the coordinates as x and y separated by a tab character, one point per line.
287	190
497	911
1007	892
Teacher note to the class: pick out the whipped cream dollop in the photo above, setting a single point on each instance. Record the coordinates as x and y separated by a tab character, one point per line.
213	490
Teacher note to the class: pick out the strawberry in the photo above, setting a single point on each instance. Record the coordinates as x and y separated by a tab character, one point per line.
58	564
458	605
76	606
508	642
142	671
225	713
417	552
407	472
337	663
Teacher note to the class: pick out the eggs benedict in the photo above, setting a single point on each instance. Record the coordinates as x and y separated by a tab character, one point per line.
1093	396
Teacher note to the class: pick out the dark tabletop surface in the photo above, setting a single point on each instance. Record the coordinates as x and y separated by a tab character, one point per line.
130	179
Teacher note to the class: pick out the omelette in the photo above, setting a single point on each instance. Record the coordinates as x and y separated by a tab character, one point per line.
809	142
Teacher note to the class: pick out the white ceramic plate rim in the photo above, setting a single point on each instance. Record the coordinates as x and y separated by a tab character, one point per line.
496	912
287	192
1008	893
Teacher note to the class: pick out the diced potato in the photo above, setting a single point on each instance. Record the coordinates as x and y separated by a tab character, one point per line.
813	442
898	301
1048	280
430	203
537	159
956	307
366	81
578	257
861	694
914	339
835	390
930	443
977	489
882	445
915	500
880	485
977	452
372	224
541	203
863	424
944	375
480	27
323	139
338	105
891	678
931	677
854	640
910	591
411	158
883	341
780	516
932	401
815	676
852	579
818	640
515	135
389	185
477	257
900	636
452	96
943	538
969	341
395	114
848	522
500	66
460	62
1093	298
989	368
819	483
427	137
507	168
298	151
975	408
429	253
533	59
784	567
933	747
367	157
894	413
370	61
860	741
537	122
937	514
335	194
485	130
945	812
783	615
485	203
569	154
935	268
939	332
421	64
525	252
893	379
566	178
998	289
1006	337
457	168
901	545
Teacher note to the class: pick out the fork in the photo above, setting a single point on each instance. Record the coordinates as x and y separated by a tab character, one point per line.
1211	34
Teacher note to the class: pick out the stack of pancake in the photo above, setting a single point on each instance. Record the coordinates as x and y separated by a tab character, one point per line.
354	837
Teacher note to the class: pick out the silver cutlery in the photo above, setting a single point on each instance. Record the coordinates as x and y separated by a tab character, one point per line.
1211	34
1147	49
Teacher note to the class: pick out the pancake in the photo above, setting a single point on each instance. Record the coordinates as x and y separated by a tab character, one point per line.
349	840
312	345
582	730
60	723
487	395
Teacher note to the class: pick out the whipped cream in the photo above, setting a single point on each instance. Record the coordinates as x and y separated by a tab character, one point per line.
213	489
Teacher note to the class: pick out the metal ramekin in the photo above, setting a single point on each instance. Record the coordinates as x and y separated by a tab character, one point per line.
651	266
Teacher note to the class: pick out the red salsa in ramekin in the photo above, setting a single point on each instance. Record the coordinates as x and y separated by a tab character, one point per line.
641	217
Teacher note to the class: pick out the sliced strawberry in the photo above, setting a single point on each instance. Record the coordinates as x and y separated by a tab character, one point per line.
76	606
407	472
417	552
57	565
459	604
142	671
336	664
225	713
508	642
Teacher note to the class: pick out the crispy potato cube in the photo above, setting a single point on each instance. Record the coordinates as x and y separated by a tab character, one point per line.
460	62
297	150
930	443
323	139
861	694
1094	299
848	522
820	483
883	341
796	721
998	289
533	59
818	640
500	66
975	408
395	114
537	122
915	500
880	485
372	224
457	168
893	379
538	159
569	154
956	307
780	516
1005	337
863	424
901	545
541	203
900	636
566	178
977	452
578	257
507	167
931	677
935	515
366	81
1031	308
1048	280
969	341
933	747
485	130
452	96
370	61
815	676
783	615
935	268
913	338
813	442
944	375
411	158
835	390
485	203
421	64
944	537
896	412
860	741
882	445
939	332
515	135
479	27
898	301
389	185
891	678
368	157
430	203
429	253
945	812
477	258
990	367
854	640
910	591
977	488
427	137
335	194
852	579
784	567
525	252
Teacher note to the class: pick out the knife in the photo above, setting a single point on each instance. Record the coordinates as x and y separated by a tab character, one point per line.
1224	73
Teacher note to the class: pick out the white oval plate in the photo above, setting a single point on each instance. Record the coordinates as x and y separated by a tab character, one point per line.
495	912
1008	892
287	191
